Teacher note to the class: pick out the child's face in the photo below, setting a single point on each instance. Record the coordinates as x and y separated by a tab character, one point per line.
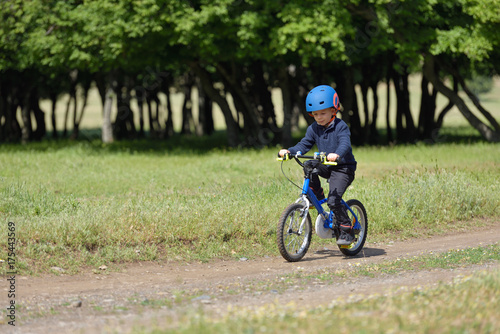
322	117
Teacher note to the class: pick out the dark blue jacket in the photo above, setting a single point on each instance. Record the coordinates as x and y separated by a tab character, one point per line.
336	138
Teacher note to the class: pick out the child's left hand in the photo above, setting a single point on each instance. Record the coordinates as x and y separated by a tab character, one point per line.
332	157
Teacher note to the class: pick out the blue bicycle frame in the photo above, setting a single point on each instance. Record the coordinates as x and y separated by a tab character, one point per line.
306	190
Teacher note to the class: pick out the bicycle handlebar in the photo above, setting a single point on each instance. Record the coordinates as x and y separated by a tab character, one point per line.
320	156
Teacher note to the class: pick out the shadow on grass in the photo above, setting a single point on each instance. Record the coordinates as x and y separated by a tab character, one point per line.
90	141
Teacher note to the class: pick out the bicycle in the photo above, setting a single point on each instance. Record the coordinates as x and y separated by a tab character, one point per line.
295	228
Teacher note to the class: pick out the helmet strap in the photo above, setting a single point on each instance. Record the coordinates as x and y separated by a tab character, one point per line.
331	120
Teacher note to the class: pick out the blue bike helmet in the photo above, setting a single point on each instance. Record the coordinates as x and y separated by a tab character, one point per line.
322	97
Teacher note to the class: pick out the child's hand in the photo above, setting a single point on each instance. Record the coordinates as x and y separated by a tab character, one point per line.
332	157
283	152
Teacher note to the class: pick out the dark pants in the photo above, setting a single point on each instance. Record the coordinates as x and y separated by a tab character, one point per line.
338	181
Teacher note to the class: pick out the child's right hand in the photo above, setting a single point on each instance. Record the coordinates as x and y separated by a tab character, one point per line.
283	152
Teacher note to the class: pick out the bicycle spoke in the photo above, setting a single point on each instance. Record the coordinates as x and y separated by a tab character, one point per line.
293	241
294	233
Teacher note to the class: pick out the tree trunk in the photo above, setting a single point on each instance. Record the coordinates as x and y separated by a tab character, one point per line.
8	115
427	110
169	123
153	132
302	91
373	137
262	94
107	129
139	95
388	105
71	97
79	116
3	111
2	129
233	84
284	83
27	129
187	106
73	78
351	110
487	133
215	95
124	126
364	96
405	126
39	115
101	84
439	123
53	99
13	131
205	116
473	98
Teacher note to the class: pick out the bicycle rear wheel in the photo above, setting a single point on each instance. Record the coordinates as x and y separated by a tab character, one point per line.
294	232
360	233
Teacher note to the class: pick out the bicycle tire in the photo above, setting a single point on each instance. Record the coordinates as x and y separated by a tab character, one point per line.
292	244
360	236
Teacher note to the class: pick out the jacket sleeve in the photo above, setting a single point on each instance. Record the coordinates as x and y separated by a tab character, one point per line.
306	143
344	140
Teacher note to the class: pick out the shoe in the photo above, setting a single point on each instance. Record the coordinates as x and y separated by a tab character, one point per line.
345	238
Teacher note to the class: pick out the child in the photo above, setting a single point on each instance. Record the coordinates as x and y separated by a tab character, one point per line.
332	136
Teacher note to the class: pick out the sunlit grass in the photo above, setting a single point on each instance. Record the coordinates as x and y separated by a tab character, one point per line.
84	204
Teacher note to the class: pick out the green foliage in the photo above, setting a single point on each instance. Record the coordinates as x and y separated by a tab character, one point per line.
246	45
312	30
103	34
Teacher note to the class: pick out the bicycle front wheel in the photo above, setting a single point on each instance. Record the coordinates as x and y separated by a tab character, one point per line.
361	232
294	232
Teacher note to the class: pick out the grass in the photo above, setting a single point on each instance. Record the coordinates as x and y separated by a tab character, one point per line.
78	204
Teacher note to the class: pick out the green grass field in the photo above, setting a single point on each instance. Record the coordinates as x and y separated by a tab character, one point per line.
79	204
191	198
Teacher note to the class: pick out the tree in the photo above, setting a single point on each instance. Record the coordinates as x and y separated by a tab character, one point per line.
242	49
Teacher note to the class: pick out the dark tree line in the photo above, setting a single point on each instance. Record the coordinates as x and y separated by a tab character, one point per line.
132	50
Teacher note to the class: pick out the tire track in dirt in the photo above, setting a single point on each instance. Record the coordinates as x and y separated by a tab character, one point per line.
106	298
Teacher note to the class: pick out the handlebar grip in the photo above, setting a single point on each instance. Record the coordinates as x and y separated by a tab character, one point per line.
286	157
330	163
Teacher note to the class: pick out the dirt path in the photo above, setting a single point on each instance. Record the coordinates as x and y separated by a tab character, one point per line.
149	292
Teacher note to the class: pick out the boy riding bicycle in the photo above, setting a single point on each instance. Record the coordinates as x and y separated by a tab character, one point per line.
332	136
